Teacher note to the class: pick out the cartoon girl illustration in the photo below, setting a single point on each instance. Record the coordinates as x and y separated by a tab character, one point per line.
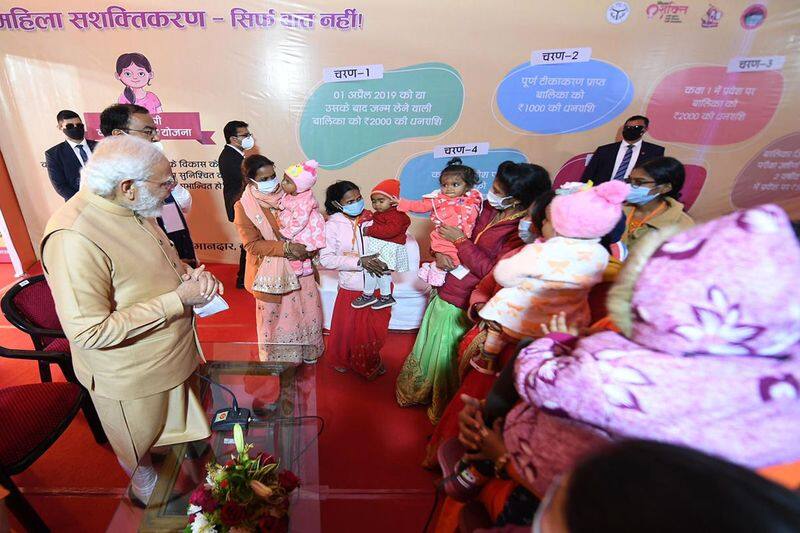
134	71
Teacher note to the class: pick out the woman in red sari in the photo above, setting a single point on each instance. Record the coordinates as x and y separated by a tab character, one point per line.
357	335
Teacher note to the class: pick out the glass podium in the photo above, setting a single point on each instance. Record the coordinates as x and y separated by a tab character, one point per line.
282	399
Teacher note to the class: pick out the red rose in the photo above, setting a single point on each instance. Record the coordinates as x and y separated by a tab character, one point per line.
224	484
232	514
229	463
288	480
203	498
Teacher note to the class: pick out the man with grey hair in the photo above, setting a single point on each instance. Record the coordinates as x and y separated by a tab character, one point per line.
125	302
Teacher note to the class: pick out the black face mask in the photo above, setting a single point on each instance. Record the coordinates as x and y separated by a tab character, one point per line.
75	132
631	133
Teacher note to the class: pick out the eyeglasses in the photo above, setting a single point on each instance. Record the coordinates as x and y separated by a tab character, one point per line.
246	136
638	182
169	184
72	126
147	131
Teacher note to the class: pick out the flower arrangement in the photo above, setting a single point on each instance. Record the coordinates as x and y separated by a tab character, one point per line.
246	494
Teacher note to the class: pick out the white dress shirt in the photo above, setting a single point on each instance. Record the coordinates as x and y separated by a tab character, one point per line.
623	147
77	153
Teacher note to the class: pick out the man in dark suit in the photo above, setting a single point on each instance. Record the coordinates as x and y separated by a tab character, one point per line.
238	139
65	160
616	160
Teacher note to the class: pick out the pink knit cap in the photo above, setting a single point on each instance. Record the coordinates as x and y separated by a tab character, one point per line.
590	213
304	175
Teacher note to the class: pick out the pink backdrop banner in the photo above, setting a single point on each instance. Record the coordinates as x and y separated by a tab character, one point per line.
771	176
709	106
171	127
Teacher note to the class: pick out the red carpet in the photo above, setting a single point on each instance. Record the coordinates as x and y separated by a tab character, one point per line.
369	453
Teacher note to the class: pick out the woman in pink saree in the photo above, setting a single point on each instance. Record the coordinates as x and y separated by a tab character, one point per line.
288	306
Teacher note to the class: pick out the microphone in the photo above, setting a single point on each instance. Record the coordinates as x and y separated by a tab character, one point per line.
227	417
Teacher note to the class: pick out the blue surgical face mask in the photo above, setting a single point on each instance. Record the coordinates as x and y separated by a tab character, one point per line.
524	231
498	202
267	186
354	209
640	195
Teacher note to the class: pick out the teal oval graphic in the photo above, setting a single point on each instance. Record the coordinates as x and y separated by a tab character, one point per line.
343	122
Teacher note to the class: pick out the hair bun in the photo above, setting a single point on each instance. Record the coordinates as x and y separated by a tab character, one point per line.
455	161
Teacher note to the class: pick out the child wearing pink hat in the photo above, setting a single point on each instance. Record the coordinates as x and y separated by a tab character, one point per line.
300	219
554	274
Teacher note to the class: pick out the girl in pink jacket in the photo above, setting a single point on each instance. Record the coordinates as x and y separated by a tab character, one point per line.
300	219
457	203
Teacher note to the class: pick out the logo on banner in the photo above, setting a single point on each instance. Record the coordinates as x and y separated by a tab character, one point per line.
753	16
668	12
711	18
134	71
618	12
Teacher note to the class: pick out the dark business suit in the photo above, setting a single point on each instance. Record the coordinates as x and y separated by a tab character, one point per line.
64	168
601	166
230	167
181	239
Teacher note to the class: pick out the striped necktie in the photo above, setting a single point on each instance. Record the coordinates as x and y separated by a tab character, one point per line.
84	157
623	166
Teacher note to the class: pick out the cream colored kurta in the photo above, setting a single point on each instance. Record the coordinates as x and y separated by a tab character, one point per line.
113	276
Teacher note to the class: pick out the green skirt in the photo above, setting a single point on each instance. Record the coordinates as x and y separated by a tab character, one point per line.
430	372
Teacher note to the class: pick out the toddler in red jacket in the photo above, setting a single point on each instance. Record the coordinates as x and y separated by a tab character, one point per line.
384	236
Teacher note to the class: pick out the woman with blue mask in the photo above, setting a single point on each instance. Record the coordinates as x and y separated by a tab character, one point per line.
429	374
475	384
288	306
356	335
653	202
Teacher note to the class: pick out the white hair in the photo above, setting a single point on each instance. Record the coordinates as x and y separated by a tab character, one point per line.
118	158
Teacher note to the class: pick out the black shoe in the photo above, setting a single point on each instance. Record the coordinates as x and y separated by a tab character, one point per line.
383	302
240	284
365	300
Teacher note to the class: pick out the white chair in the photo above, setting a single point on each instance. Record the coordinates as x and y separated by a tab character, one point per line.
410	292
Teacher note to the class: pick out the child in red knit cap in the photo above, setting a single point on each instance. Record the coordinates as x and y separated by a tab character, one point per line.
384	236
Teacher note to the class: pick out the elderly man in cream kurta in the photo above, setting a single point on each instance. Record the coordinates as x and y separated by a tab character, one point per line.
124	300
